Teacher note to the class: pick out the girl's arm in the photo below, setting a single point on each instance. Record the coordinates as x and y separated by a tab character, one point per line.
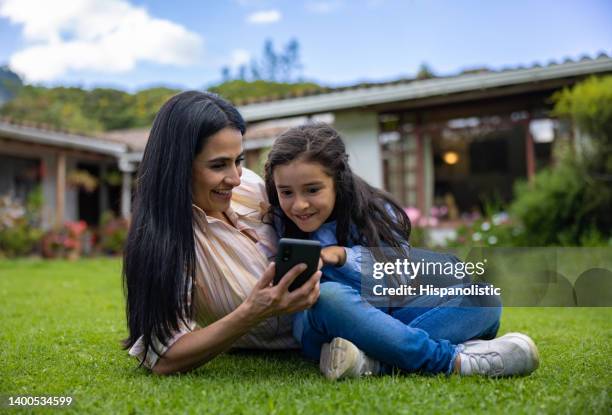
200	346
355	262
347	261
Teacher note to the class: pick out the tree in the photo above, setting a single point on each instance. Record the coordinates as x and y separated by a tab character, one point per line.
59	108
589	105
226	74
290	60
425	72
10	84
147	103
283	66
87	112
270	61
570	203
111	107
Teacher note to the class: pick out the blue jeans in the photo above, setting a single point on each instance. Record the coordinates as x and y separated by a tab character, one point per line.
419	338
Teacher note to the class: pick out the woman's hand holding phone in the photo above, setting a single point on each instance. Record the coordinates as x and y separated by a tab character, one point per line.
267	300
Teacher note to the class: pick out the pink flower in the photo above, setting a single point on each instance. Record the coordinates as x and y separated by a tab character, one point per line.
417	219
428	221
76	228
413	213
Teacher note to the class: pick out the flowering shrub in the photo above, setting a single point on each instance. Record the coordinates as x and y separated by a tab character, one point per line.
18	236
419	223
10	212
112	234
496	230
417	219
65	242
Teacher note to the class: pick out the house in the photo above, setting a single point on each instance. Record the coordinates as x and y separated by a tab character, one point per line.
448	144
59	162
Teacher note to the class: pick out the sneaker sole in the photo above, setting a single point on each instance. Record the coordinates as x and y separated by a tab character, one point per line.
325	360
533	349
337	358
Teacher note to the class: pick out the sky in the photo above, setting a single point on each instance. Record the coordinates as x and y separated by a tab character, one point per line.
135	44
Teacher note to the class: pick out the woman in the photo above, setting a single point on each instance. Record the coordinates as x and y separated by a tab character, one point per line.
191	257
197	254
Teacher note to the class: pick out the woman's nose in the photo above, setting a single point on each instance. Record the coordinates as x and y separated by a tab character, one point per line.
234	177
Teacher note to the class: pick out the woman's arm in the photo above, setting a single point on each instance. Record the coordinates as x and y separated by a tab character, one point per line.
200	346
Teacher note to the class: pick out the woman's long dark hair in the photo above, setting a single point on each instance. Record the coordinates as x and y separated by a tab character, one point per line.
159	258
378	218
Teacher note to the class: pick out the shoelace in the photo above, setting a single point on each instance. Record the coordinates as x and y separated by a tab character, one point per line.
486	363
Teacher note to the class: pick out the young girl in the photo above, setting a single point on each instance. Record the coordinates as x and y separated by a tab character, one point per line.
314	194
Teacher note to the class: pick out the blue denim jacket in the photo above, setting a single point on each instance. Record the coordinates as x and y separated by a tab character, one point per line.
350	272
359	260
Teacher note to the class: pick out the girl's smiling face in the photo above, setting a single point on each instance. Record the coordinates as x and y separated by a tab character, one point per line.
306	193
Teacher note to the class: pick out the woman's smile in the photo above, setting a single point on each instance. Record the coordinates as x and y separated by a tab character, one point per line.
224	195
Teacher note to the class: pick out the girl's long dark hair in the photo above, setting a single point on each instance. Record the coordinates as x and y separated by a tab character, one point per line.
379	219
159	258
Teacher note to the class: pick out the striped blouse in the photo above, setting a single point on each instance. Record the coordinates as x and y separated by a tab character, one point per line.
228	264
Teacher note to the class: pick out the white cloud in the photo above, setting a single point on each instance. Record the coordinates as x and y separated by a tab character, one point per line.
264	17
94	35
239	57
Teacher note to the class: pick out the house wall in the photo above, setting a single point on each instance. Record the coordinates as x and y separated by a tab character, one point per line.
359	129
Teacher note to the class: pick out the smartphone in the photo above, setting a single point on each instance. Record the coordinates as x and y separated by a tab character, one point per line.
296	251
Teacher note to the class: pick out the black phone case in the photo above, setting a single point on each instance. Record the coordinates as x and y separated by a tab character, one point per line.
295	251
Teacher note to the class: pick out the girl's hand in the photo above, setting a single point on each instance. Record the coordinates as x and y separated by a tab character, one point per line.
268	300
333	255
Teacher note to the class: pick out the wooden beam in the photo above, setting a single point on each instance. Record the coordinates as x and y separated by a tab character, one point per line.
420	178
60	189
529	152
126	195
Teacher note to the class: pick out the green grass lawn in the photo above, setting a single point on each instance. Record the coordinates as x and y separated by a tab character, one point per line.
62	322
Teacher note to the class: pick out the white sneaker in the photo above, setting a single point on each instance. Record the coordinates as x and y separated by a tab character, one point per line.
510	355
342	359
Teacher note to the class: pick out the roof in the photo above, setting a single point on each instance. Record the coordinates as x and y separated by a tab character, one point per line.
135	139
61	139
257	135
130	144
263	134
384	93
